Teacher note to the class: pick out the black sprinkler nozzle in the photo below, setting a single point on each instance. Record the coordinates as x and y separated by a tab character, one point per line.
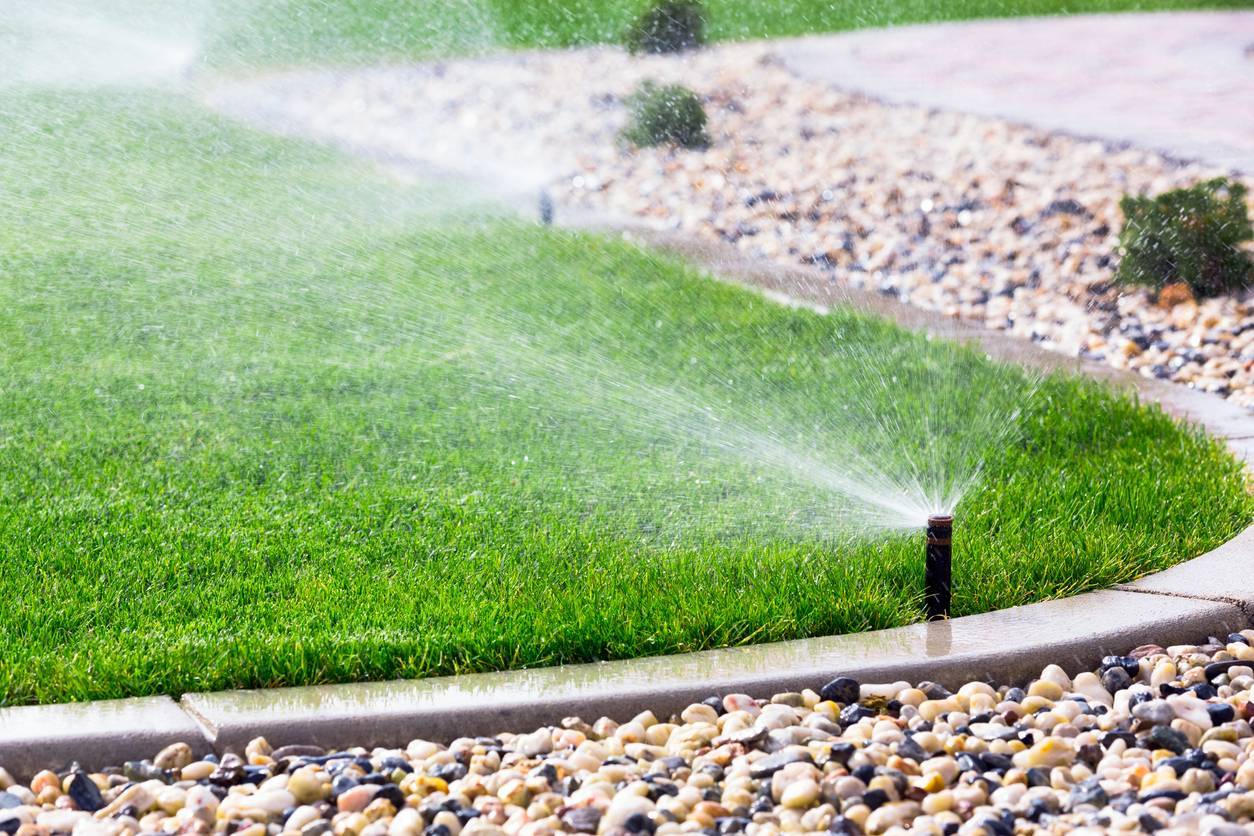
937	571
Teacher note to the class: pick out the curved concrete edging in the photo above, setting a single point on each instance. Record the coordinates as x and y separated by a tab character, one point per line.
1210	594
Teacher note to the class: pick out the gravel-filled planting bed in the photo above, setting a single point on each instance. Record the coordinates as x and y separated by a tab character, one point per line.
1003	224
1159	738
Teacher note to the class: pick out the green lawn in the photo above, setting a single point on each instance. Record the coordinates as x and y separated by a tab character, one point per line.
269	418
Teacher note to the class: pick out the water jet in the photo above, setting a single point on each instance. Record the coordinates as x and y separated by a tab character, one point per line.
937	579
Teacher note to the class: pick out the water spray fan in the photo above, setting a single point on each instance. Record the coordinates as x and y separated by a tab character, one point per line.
937	566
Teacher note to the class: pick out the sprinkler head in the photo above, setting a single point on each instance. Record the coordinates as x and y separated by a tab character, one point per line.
546	209
937	576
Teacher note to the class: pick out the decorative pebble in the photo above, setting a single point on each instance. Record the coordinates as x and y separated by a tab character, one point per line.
1066	754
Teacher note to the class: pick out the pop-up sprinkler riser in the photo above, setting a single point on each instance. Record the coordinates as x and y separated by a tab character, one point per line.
937	577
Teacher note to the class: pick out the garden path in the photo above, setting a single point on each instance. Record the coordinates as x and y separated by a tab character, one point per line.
1180	82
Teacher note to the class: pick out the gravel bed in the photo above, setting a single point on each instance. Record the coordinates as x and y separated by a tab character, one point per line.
1007	225
1159	739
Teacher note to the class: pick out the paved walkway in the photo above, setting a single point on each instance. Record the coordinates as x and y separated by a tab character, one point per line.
1178	82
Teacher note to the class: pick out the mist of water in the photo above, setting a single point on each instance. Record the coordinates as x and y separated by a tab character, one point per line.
883	461
47	43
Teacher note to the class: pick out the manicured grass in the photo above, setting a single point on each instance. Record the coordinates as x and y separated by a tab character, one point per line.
298	31
269	418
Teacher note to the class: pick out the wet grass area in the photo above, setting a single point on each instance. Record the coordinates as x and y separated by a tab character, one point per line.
271	418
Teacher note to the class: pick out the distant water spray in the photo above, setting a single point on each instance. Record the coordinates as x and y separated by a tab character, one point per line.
887	460
745	449
64	45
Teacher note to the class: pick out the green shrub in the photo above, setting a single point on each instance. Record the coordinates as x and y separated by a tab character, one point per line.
1187	235
667	26
670	113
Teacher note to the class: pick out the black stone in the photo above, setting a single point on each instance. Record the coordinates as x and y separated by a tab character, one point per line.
582	819
393	763
449	772
1038	777
342	784
85	793
1214	669
996	827
465	814
843	826
842	689
732	824
1204	691
996	763
761	805
1237	638
934	690
1037	809
568	785
1129	664
546	771
715	703
227	776
1221	713
436	830
864	773
715	771
392	793
771	764
1148	823
256	774
10	824
875	798
1178	765
1088	792
1090	754
854	712
1165	737
970	762
911	750
639	823
1115	679
1170	795
841	752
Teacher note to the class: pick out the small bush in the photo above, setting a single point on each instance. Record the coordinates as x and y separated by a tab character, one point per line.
1188	235
667	26
670	113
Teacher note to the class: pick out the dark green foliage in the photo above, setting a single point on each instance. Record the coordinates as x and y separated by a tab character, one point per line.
1188	235
670	113
667	26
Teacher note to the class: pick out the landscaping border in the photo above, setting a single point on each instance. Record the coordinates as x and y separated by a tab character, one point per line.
1213	593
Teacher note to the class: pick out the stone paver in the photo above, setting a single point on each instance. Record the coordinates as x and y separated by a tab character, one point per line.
1181	82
